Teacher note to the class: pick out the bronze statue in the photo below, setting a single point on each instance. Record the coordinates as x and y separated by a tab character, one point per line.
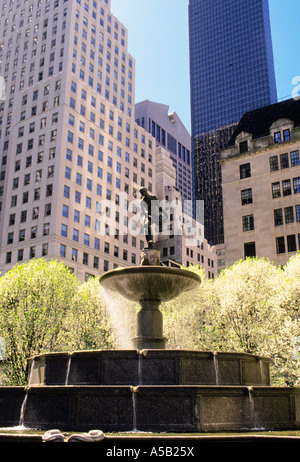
151	214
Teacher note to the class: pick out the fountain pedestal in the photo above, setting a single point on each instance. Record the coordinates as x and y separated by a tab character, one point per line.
149	285
149	327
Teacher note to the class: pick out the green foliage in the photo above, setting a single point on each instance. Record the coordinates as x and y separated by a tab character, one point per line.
43	308
87	325
252	306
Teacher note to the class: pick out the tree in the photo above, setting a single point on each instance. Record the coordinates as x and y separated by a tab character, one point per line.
247	305
288	355
87	325
252	307
185	317
34	300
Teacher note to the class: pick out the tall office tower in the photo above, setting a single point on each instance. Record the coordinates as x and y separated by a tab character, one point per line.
68	138
169	132
231	72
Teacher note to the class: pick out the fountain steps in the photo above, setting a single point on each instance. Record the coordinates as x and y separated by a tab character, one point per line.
152	408
149	367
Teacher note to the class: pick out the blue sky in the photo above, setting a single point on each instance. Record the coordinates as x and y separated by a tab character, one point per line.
158	41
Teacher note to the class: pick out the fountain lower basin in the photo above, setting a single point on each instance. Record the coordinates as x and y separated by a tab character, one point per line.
178	409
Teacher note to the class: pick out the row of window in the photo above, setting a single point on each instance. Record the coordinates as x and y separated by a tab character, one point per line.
286	187
36	212
279	189
285	160
290	243
282	161
281	216
93	260
32	253
287	215
86	259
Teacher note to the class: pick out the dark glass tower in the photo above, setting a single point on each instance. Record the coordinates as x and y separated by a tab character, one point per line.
231	61
231	72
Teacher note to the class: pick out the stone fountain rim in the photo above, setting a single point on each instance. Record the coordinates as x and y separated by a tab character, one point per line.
151	269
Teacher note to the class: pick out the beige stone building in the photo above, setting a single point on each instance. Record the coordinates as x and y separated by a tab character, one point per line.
261	186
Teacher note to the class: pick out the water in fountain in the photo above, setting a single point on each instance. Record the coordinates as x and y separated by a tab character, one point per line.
119	312
68	370
253	414
216	366
134	391
262	372
141	353
21	425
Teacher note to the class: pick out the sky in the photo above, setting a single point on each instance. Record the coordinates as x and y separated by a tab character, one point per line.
158	41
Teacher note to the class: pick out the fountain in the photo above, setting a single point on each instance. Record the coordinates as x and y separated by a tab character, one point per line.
150	388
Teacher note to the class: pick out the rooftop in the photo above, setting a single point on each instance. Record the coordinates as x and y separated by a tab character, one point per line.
259	121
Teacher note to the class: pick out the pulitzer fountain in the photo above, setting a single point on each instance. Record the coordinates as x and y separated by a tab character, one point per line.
150	388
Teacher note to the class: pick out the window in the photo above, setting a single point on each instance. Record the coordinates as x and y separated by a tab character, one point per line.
243	147
278	217
286	134
77	216
249	249
62	250
65	211
280	245
274	163
85	259
296	182
86	239
64	230
286	188
289	215
75	235
284	161
298	213
245	171
295	158
248	223
77	197
66	191
277	137
291	243
276	190
246	196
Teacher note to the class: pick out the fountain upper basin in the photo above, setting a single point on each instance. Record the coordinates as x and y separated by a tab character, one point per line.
160	283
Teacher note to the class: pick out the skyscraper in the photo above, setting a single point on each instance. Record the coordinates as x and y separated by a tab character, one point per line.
68	138
231	61
231	72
